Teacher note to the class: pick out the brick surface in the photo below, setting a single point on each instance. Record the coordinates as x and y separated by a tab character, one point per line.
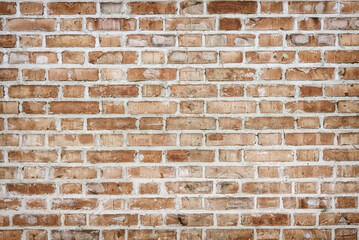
178	119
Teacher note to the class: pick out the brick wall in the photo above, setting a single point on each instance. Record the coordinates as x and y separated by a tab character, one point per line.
179	120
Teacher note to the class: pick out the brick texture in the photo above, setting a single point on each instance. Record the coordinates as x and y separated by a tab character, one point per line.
179	119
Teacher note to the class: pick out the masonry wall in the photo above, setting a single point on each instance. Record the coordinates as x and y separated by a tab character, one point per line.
179	120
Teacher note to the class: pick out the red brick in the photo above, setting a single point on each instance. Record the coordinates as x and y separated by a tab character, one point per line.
70	41
229	74
151	233
310	106
187	187
270	40
308	171
74	107
73	74
230	24
113	57
109	188
230	123
151	123
151	203
73	172
311	74
31	8
342	90
229	172
268	156
226	188
27	91
154	24
7	41
281	23
151	139
201	123
74	203
7	8
111	24
338	218
64	8
270	57
71	140
152	107
227	107
230	139
340	155
269	139
190	156
345	233
271	7
36	220
339	187
268	203
144	74
269	123
151	172
146	8
200	219
32	156
309	56
71	24
8	173
193	91
309	138
309	23
346	202
226	7
266	187
113	219
30	188
212	234
111	123
30	41
342	56
31	24
31	124
301	233
266	219
9	140
348	106
341	122
111	156
315	7
229	203
8	74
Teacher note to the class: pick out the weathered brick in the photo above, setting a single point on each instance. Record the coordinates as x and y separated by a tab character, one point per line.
147	8
229	74
70	41
225	7
266	219
190	156
64	8
31	24
228	139
111	156
268	156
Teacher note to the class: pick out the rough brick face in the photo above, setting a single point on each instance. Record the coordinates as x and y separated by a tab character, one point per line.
179	119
